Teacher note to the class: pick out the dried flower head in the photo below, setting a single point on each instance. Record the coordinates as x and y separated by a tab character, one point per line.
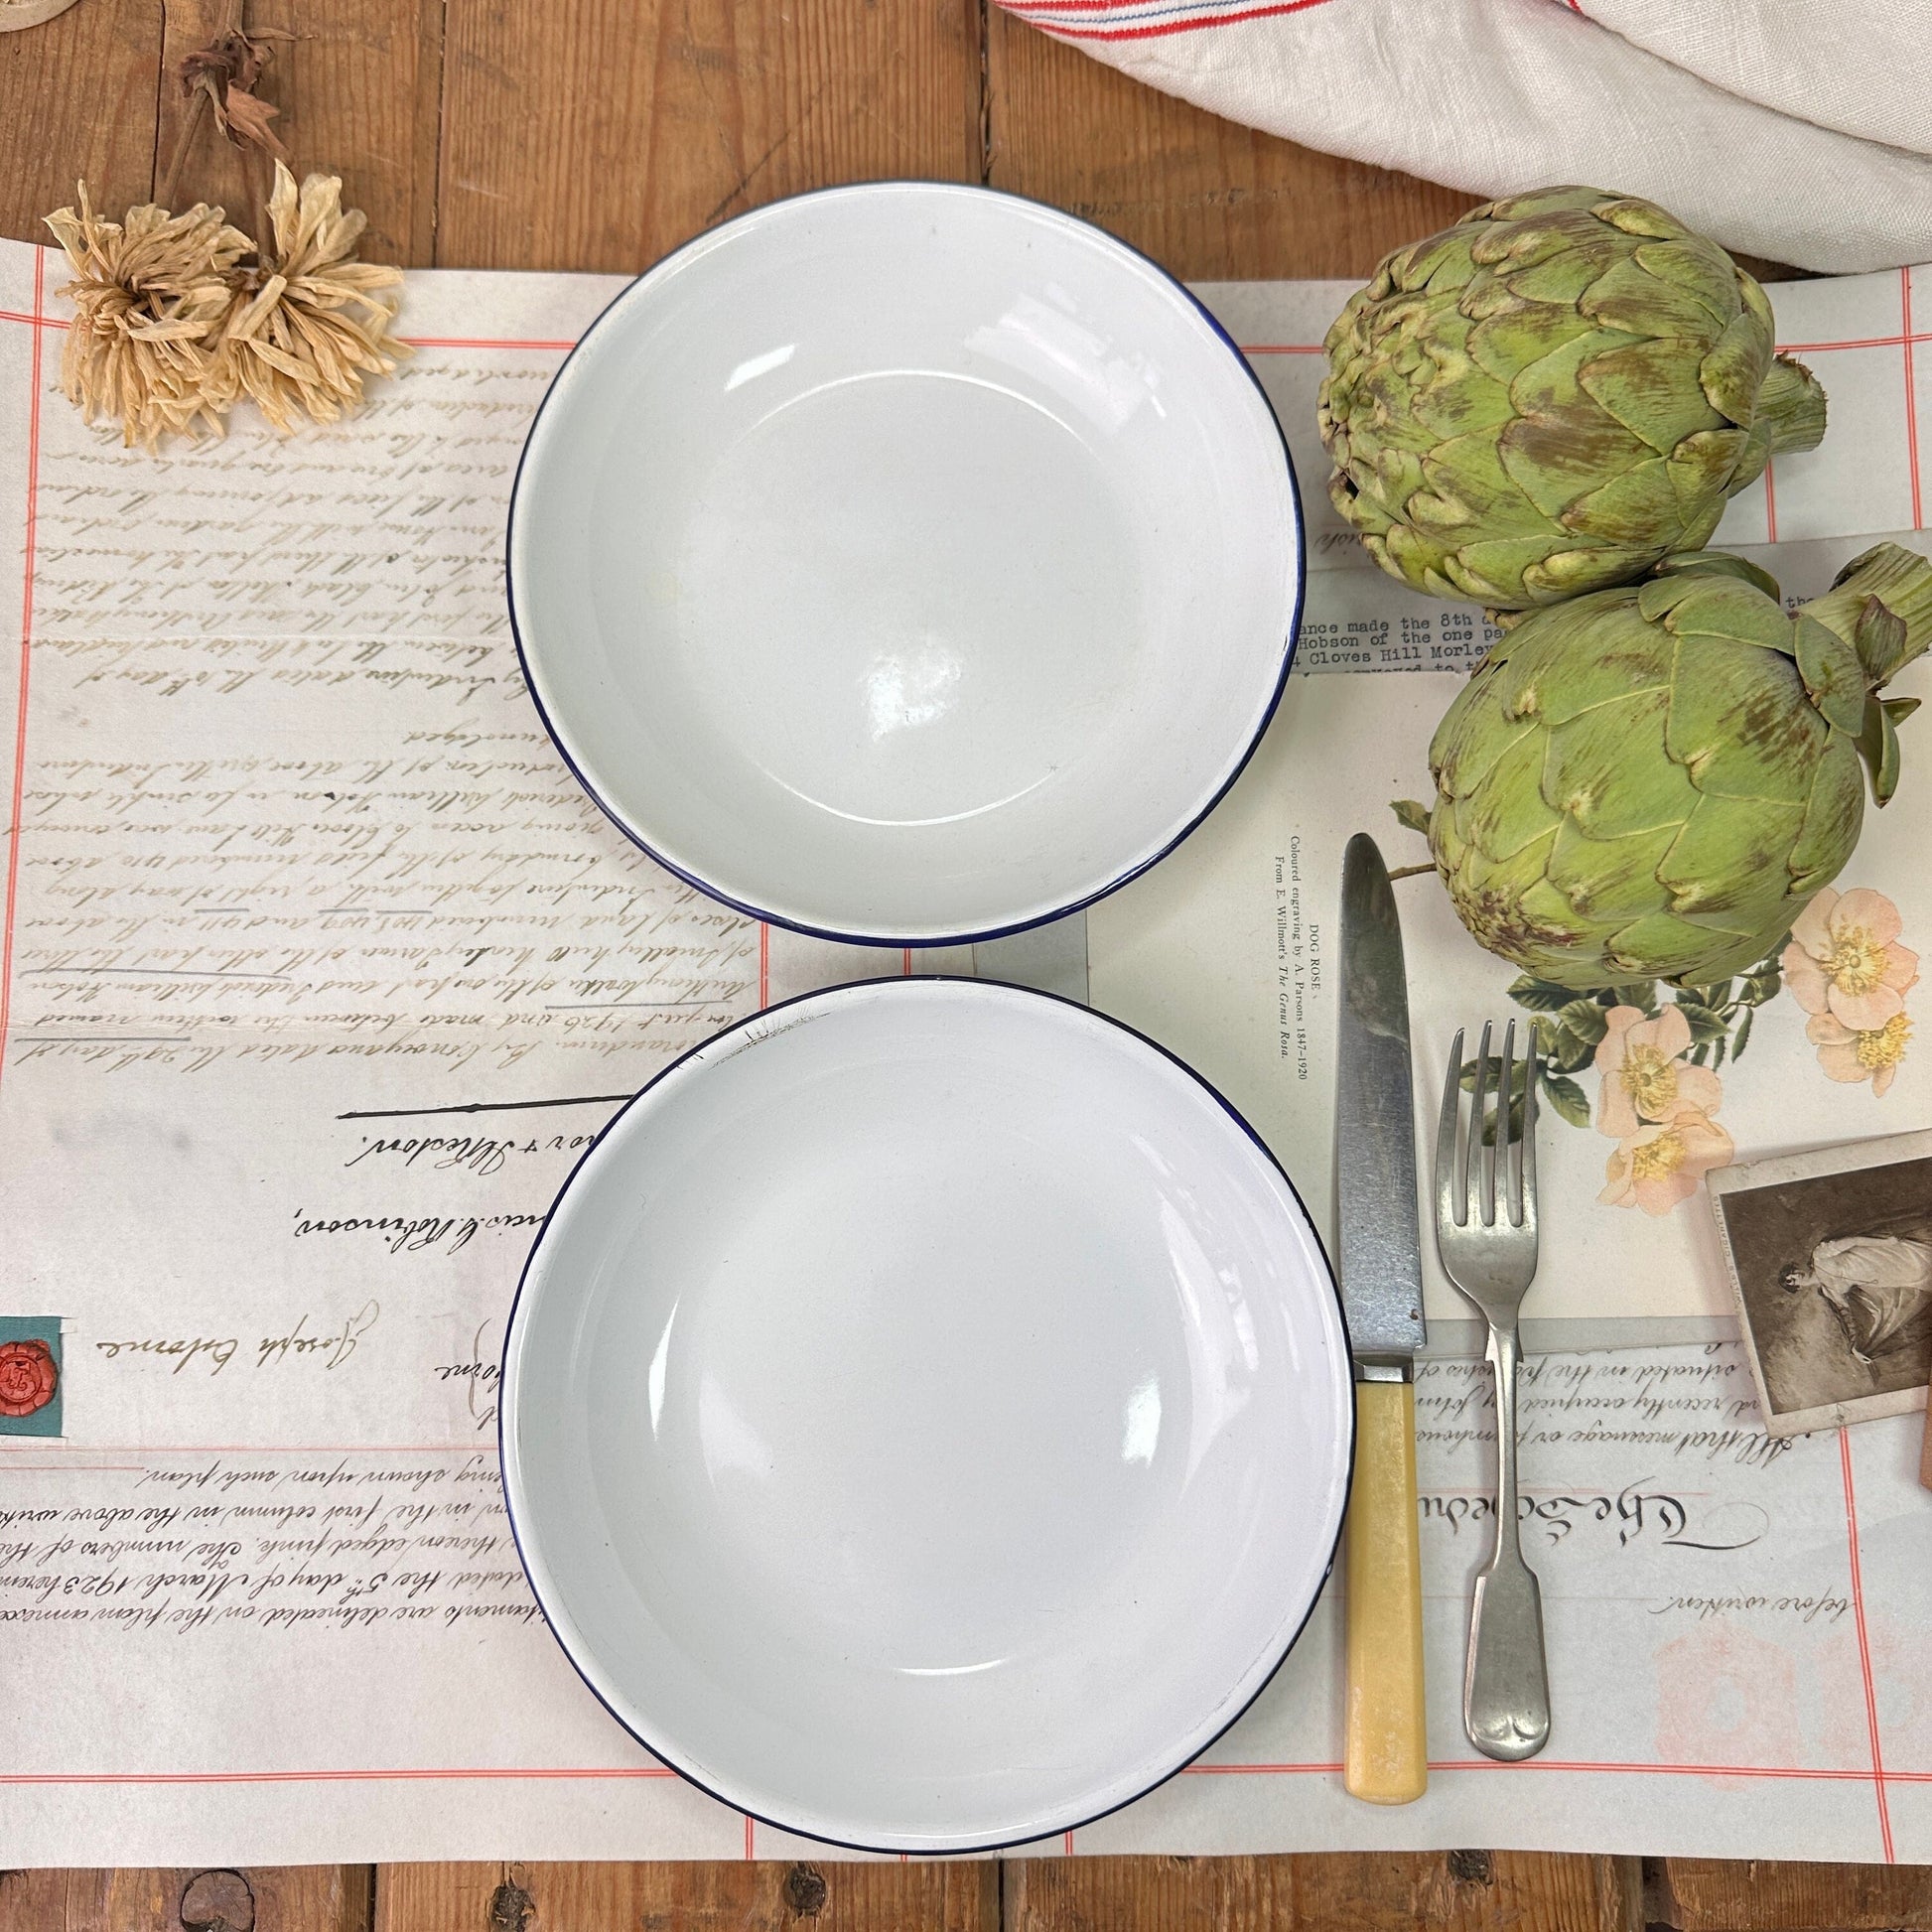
225	72
309	324
149	294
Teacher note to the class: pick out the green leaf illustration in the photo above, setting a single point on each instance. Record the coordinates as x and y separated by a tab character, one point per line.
1641	994
1707	1025
1567	1046
1567	1097
1717	997
1540	996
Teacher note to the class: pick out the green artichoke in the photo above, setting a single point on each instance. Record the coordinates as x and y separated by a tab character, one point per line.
1650	783
1552	396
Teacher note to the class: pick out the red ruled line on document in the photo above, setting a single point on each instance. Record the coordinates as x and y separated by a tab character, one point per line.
1912	397
1587	1767
1865	1648
464	1773
28	543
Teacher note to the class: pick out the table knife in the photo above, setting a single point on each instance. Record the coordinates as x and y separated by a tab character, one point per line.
1379	1252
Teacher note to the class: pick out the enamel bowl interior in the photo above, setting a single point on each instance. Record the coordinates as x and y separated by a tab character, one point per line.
905	561
926	1415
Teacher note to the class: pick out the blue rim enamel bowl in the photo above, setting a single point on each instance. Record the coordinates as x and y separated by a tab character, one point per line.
905	564
926	1415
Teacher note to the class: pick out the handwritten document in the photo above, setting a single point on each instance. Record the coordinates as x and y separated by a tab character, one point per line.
317	974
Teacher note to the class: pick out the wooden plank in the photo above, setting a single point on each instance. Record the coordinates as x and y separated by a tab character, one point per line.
836	1896
356	89
1204	198
1737	1895
587	136
1450	1891
255	1898
33	1901
77	98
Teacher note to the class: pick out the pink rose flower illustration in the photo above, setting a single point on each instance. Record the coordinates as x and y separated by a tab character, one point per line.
1662	1162
1646	1079
1847	1055
1844	959
28	1377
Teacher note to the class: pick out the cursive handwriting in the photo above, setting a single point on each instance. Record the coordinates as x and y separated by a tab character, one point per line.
290	796
478	1154
1632	1510
479	1377
247	1543
332	1347
404	1234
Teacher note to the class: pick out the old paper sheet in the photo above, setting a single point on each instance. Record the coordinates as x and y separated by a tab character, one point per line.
317	971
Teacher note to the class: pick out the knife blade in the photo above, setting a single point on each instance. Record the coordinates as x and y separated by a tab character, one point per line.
1379	1257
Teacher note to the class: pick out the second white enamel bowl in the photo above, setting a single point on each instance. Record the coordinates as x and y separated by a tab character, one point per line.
926	1415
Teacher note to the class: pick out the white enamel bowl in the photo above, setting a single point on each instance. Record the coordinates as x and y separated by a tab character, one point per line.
906	563
926	1415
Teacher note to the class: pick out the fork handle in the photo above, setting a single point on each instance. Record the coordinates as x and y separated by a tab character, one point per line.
1385	1740
1506	1691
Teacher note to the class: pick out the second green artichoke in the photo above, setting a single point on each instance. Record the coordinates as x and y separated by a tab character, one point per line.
1650	783
1552	395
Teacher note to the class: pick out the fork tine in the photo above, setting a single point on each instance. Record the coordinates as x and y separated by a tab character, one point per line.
1509	1198
1450	1199
1481	1150
1532	1069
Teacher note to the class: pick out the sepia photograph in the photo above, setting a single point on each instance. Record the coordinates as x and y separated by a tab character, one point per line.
1831	1261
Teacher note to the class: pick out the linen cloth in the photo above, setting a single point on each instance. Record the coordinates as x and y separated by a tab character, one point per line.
1797	130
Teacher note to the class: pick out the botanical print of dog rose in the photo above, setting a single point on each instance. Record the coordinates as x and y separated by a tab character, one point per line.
1846	1054
1645	1074
1657	1106
1662	1162
1845	968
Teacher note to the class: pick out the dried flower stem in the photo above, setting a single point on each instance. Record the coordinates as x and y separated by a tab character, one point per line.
198	107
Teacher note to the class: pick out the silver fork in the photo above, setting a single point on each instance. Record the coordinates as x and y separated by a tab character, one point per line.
1486	1238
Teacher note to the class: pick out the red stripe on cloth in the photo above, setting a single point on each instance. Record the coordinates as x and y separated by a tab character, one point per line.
1066	6
751	1830
1770	504
1155	30
1864	1647
764	965
1911	398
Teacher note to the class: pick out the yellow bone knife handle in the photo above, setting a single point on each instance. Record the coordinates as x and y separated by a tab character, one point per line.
1386	1754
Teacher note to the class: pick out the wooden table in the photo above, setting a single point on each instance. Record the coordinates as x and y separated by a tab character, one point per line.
596	134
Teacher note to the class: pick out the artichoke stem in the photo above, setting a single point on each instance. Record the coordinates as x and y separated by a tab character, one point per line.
1901	580
1791	405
